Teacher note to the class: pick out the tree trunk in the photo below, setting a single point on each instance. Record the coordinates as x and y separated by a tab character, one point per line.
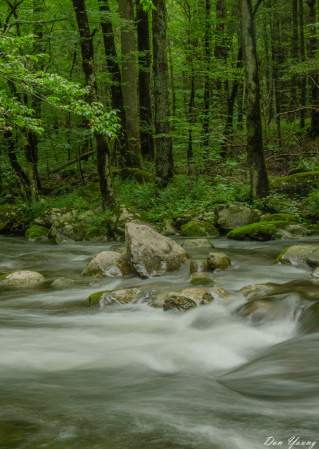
129	78
275	50
255	146
172	81
220	50
163	141
303	58
144	82
121	149
314	78
102	147
294	53
207	57
21	178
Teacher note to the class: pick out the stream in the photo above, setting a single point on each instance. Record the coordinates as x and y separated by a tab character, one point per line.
135	377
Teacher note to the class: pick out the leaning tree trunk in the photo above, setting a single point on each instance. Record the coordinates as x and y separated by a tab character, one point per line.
121	144
163	141
259	182
129	78
144	82
102	147
314	78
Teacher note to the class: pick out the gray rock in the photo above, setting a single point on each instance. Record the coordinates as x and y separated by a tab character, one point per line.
184	299
168	228
198	266
197	243
216	295
256	291
126	214
218	261
66	231
22	278
150	253
314	274
296	255
63	282
54	214
313	259
231	216
107	263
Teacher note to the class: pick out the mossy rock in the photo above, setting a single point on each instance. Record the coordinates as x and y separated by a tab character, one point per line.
91	192
180	220
313	230
64	231
298	184
37	234
94	299
296	170
202	279
274	206
199	229
261	231
280	217
13	218
62	190
141	176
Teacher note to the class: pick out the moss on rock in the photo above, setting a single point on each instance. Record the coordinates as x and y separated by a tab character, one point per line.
280	217
94	298
261	231
298	184
199	228
37	234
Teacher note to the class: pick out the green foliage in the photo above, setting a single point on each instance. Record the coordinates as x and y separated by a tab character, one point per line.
68	201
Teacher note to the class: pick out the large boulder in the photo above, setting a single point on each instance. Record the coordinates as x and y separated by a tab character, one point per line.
197	243
199	228
121	296
298	184
280	217
12	218
21	278
218	261
66	231
126	214
296	255
268	230
49	216
37	234
150	253
107	263
232	216
184	299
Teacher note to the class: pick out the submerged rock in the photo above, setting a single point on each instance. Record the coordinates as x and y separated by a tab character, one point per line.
218	261
21	277
201	279
296	255
198	266
313	259
269	309
37	234
309	318
199	228
264	231
107	263
298	184
197	243
256	291
215	294
168	228
150	253
184	299
63	282
121	296
66	231
231	216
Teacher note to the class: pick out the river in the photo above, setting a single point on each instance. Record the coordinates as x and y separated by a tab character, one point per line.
135	377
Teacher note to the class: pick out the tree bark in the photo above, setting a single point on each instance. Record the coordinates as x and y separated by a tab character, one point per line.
276	53
121	144
207	58
303	58
129	79
102	147
314	78
259	182
294	53
144	82
21	178
163	141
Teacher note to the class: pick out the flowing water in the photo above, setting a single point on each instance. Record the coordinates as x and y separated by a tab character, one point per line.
135	377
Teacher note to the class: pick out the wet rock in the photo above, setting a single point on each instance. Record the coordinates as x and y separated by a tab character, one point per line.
215	294
12	218
37	234
256	291
309	318
198	266
121	296
314	274
184	299
296	255
107	263
280	217
269	309
201	279
126	214
264	231
313	259
168	228
66	231
231	216
298	184
150	253
197	243
63	282
21	278
199	228
156	298
54	214
218	261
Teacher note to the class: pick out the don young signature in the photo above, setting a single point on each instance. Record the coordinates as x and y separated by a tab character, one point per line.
292	442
